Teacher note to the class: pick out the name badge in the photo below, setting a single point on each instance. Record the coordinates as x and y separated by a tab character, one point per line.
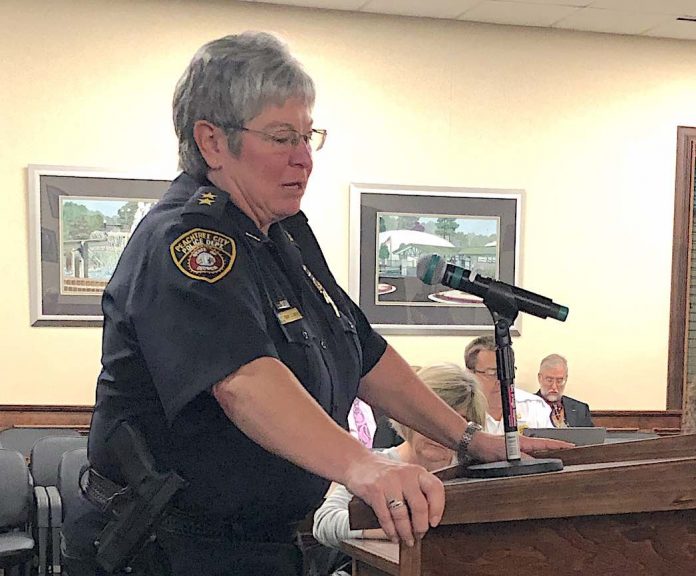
287	316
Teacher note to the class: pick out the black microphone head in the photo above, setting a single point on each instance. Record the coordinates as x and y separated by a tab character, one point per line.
430	268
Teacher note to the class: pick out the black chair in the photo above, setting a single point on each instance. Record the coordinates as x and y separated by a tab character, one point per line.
71	464
22	438
16	543
385	436
44	461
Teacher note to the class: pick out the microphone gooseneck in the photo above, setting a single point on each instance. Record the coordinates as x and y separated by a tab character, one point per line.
432	269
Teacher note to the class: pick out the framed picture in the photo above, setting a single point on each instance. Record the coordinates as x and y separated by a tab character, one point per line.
392	226
79	223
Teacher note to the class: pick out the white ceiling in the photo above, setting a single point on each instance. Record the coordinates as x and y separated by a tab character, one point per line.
658	18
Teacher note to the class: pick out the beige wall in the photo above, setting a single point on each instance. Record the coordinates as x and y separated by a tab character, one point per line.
584	123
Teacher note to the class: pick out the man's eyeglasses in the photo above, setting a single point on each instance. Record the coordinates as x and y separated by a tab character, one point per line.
551	380
490	372
287	139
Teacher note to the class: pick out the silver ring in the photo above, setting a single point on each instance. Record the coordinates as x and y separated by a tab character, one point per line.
393	504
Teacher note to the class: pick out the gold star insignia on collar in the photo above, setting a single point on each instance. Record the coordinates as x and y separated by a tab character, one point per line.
208	199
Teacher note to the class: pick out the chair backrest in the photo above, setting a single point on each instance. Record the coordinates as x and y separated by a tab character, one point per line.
71	463
22	438
15	490
46	454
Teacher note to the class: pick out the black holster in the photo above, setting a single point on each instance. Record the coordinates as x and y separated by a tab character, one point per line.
134	510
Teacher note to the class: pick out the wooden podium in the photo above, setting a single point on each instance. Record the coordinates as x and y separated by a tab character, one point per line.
615	509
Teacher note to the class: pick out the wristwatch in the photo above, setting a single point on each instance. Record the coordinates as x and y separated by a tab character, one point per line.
463	449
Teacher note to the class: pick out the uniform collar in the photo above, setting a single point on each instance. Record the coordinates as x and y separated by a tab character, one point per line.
217	203
180	190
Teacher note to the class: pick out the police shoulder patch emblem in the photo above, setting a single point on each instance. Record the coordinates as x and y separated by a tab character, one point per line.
204	254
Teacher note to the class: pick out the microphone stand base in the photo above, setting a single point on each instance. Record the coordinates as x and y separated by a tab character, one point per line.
507	468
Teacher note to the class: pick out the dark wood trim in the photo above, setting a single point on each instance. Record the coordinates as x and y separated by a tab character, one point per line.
681	249
645	420
45	408
373	557
80	416
38	415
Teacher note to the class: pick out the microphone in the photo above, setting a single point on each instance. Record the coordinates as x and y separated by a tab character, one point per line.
432	269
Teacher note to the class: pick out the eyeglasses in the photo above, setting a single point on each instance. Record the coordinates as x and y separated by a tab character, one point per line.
490	372
286	140
551	380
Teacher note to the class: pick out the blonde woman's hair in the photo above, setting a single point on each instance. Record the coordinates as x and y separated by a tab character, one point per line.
457	387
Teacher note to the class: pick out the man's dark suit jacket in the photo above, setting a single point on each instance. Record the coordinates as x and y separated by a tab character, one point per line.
576	413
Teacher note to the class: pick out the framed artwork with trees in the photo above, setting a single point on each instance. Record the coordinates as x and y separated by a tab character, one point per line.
79	222
392	226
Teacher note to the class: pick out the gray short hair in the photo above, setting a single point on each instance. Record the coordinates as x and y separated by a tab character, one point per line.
230	81
554	360
473	348
457	387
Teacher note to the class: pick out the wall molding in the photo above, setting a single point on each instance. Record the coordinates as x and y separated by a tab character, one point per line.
44	415
666	421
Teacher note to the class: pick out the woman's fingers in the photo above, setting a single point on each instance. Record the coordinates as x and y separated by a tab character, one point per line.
398	509
532	445
434	491
384	517
406	499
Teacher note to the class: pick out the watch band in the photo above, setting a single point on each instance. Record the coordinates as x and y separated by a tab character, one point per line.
465	442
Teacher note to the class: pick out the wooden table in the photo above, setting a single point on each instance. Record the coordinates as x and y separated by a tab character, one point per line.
617	509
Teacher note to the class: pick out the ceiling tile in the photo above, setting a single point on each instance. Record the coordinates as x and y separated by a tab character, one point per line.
324	4
674	29
430	9
517	13
572	3
611	21
676	7
611	16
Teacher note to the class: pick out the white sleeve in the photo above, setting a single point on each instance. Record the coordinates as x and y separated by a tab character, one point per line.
539	415
331	523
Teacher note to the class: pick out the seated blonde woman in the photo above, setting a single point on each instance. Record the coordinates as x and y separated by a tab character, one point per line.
458	388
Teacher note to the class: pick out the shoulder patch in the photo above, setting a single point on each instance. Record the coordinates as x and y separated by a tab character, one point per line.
207	200
204	254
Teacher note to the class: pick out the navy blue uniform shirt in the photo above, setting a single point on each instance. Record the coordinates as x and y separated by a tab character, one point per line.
199	292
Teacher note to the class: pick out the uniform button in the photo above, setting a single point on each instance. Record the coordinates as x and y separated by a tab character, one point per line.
323	345
305	335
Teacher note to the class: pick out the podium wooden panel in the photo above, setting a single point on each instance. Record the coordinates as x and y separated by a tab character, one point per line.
635	515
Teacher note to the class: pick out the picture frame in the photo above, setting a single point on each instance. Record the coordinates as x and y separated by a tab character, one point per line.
391	226
79	222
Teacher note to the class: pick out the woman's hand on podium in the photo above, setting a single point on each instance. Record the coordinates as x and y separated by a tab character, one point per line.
486	447
406	498
531	446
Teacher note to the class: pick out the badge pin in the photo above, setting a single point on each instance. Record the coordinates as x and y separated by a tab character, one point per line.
208	199
322	291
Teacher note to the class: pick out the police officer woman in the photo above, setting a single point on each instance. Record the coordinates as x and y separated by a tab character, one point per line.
229	346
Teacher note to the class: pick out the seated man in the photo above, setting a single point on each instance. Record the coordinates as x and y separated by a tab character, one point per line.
565	411
532	411
459	390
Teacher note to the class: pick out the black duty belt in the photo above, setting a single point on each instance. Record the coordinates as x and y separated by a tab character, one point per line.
107	495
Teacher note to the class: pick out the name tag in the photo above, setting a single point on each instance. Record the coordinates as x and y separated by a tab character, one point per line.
287	316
